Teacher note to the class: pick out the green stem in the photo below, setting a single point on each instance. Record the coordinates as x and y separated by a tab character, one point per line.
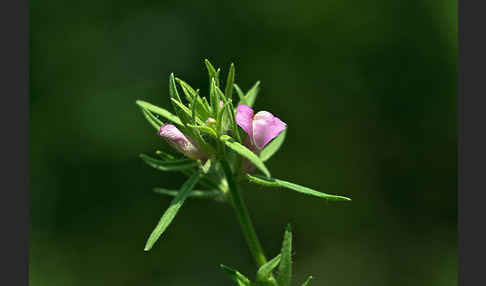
243	217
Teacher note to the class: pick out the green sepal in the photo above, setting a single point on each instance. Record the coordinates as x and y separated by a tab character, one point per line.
272	182
236	276
273	146
245	152
170	165
285	267
171	212
160	111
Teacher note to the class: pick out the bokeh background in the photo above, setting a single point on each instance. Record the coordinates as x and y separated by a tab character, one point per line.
368	89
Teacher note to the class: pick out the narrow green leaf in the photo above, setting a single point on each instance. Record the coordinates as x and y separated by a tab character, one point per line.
272	182
214	99
236	276
204	129
206	104
177	103
193	111
173	88
164	155
172	165
205	182
228	92
251	95
273	146
210	68
160	111
216	77
186	111
266	269
156	123
171	212
240	93
220	94
188	91
245	152
192	95
194	194
212	72
182	107
307	281
234	126
285	267
219	119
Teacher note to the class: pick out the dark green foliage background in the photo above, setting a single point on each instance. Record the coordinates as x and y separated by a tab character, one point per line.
367	88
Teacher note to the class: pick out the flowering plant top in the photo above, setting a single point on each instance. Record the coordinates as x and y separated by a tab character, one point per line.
218	144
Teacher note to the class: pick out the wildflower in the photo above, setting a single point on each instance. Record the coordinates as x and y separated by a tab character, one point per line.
261	127
181	143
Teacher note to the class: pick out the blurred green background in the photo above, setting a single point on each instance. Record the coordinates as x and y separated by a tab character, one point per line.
367	88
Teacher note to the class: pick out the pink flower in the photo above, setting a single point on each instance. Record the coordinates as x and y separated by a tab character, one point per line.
261	127
181	143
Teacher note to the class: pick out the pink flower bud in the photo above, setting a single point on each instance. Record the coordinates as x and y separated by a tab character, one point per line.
211	122
180	142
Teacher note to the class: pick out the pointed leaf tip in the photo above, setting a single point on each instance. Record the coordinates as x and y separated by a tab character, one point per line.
288	228
285	268
159	111
307	281
168	165
272	182
236	276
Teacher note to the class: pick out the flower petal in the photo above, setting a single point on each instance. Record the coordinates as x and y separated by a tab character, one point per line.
244	118
265	128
